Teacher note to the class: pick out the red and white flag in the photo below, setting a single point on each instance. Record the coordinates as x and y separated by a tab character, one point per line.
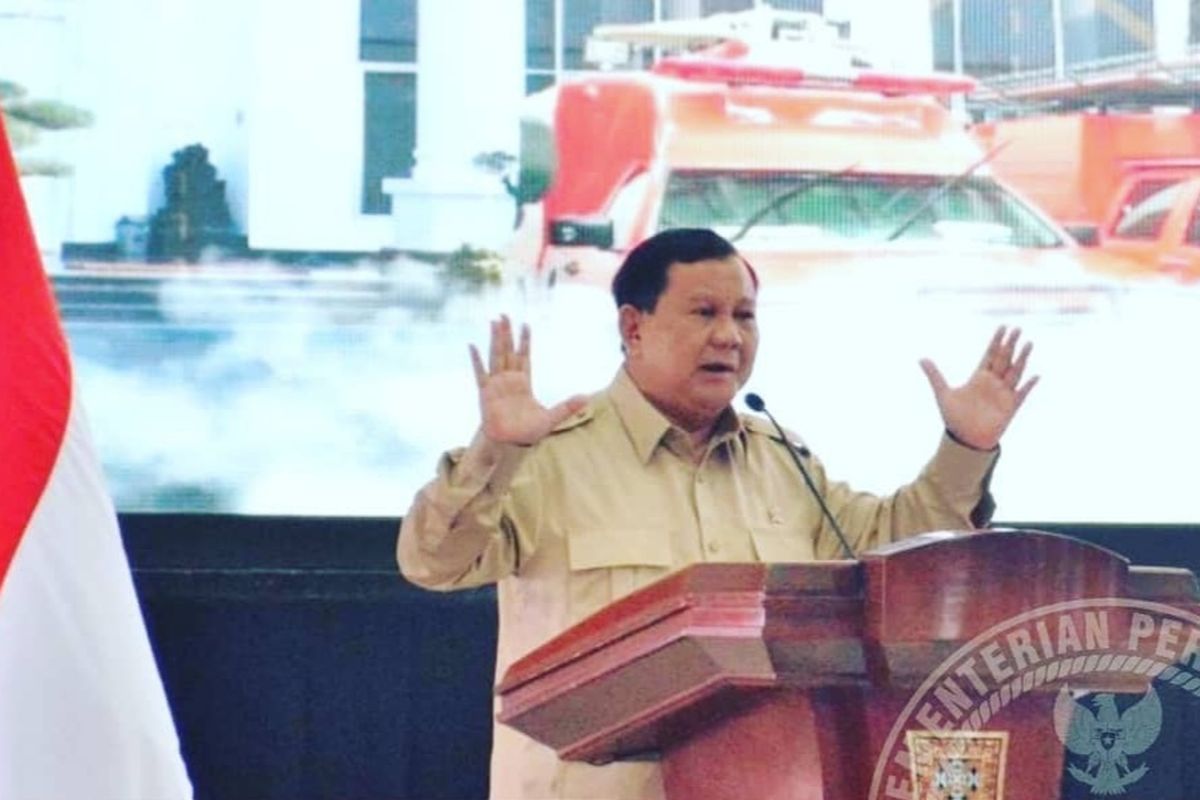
82	708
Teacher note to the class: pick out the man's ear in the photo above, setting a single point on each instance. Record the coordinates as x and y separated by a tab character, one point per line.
629	321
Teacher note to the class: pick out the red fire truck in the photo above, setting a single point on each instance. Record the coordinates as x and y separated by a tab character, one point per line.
1081	167
804	162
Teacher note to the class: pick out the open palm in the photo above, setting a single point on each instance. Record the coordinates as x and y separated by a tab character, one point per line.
979	411
510	413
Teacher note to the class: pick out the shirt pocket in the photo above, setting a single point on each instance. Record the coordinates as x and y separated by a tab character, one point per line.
608	563
780	545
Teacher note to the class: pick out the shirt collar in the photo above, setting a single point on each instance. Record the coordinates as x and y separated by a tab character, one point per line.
647	426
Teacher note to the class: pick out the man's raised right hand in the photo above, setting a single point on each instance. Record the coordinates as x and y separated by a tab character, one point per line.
509	411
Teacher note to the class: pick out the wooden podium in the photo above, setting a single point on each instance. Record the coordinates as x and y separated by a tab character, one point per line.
802	681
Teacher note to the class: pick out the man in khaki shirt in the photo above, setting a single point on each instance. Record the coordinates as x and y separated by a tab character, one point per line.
570	507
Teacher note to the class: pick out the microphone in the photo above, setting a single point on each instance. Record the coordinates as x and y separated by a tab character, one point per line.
756	404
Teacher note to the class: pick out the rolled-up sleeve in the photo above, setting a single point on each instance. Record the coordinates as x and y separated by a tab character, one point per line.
458	532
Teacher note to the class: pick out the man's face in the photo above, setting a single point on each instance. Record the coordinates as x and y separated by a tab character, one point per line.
692	354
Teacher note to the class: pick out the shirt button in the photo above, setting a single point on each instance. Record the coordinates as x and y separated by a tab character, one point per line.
713	546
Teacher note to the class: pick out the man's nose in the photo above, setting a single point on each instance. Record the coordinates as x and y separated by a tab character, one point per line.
727	332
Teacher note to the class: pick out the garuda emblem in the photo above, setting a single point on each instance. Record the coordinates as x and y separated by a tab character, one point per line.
1107	738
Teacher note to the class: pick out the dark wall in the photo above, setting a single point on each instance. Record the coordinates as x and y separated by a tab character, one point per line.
299	664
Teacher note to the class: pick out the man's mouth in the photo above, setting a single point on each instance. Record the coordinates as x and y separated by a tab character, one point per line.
718	369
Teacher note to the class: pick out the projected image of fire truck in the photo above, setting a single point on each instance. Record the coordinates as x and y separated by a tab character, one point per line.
1115	159
783	138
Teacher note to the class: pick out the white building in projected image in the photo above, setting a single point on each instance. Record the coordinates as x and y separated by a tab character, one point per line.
307	108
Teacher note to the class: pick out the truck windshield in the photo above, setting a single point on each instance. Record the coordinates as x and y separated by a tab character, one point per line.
850	208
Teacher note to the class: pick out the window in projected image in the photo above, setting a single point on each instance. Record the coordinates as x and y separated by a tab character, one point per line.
271	252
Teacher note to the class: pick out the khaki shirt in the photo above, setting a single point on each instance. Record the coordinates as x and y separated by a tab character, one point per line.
613	500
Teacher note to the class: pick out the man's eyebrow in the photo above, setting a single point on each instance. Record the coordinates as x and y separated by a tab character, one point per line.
740	305
706	296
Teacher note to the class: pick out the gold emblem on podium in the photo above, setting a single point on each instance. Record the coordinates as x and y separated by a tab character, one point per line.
957	765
